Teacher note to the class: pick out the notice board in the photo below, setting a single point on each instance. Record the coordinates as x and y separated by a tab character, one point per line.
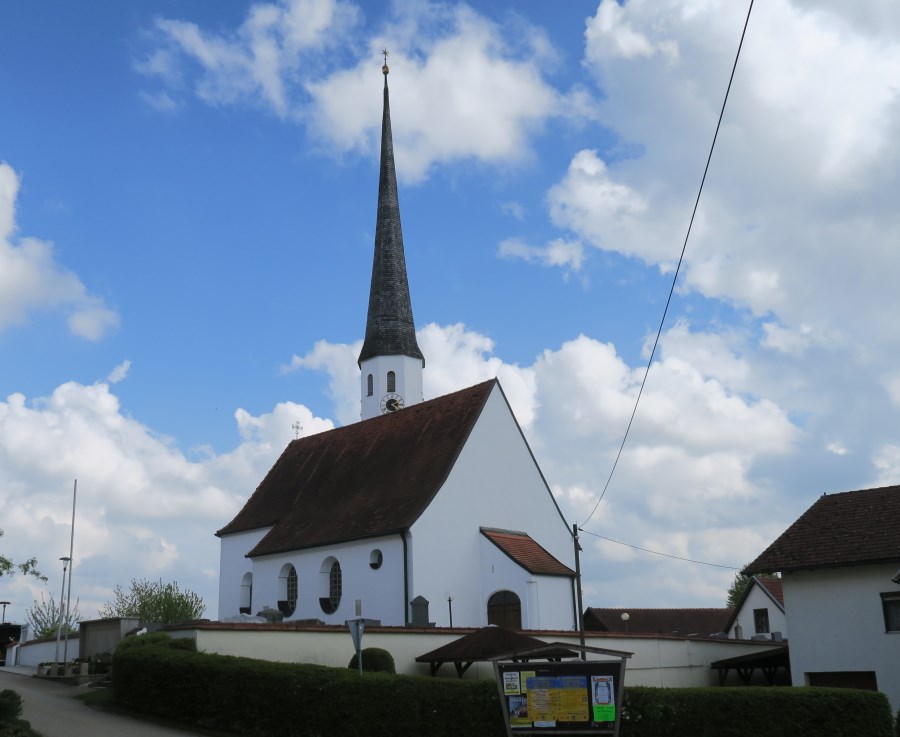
574	697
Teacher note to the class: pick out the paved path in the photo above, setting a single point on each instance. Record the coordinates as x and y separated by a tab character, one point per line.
54	713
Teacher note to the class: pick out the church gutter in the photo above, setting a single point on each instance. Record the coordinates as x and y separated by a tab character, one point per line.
405	579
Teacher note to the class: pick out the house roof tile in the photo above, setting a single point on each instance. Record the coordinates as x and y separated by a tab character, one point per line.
701	621
849	528
521	548
370	478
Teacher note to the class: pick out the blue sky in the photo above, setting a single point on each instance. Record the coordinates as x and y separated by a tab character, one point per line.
187	211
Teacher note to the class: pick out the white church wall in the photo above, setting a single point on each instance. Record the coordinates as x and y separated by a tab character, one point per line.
233	564
758	599
494	483
544	599
379	589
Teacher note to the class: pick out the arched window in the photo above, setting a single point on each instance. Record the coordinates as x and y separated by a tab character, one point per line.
370	385
246	604
331	586
391	381
287	589
505	610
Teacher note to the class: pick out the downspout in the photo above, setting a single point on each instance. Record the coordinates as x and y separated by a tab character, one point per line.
405	579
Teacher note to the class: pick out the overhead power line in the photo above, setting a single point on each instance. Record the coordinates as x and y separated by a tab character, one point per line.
677	268
656	552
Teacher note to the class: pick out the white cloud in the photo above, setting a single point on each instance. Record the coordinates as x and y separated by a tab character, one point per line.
32	281
143	508
259	63
795	209
466	88
119	373
559	252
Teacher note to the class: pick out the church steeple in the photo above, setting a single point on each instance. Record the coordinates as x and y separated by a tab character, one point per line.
390	359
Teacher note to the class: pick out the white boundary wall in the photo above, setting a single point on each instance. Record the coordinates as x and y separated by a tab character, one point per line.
657	661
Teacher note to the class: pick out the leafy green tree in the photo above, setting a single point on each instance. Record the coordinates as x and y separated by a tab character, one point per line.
27	568
154	602
43	618
739	586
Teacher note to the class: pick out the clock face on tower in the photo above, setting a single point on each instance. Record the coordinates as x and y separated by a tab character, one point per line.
391	402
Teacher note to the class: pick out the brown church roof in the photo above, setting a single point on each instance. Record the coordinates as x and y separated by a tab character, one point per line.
526	552
370	478
701	621
851	528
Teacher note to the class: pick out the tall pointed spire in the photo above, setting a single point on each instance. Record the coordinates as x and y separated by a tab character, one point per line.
390	330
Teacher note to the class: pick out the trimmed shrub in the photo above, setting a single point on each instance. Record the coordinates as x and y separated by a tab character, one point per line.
10	710
744	712
897	723
255	698
374	660
10	705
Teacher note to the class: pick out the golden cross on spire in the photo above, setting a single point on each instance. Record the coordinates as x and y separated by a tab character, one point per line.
385	69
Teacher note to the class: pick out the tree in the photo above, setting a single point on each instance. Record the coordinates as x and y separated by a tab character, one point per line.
43	618
154	602
27	568
739	586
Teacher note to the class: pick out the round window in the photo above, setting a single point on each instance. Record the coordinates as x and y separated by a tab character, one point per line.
375	559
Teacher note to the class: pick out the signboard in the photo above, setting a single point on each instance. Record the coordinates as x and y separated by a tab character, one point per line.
574	697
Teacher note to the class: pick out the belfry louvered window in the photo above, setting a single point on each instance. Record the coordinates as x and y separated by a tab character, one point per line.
391	381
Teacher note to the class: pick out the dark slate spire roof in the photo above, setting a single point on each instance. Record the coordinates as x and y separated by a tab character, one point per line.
370	478
389	325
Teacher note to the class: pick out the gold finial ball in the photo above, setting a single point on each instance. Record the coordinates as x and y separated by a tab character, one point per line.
384	69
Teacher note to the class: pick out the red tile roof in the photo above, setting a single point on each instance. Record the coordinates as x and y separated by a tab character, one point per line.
701	622
773	586
850	528
370	478
526	552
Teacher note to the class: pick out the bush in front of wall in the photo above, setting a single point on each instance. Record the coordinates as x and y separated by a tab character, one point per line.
801	711
374	660
256	698
10	711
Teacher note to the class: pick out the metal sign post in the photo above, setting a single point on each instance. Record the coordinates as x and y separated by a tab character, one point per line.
356	632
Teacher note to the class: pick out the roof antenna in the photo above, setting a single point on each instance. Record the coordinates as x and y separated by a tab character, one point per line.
297	427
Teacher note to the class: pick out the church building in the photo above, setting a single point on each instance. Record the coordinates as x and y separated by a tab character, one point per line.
439	501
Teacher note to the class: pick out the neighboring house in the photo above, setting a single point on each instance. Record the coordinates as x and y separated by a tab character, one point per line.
438	500
760	611
686	622
839	566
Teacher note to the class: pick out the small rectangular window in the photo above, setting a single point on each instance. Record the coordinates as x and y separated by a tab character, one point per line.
370	385
391	382
761	621
890	605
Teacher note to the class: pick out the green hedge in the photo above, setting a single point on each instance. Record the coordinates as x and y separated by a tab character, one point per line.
258	698
750	712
